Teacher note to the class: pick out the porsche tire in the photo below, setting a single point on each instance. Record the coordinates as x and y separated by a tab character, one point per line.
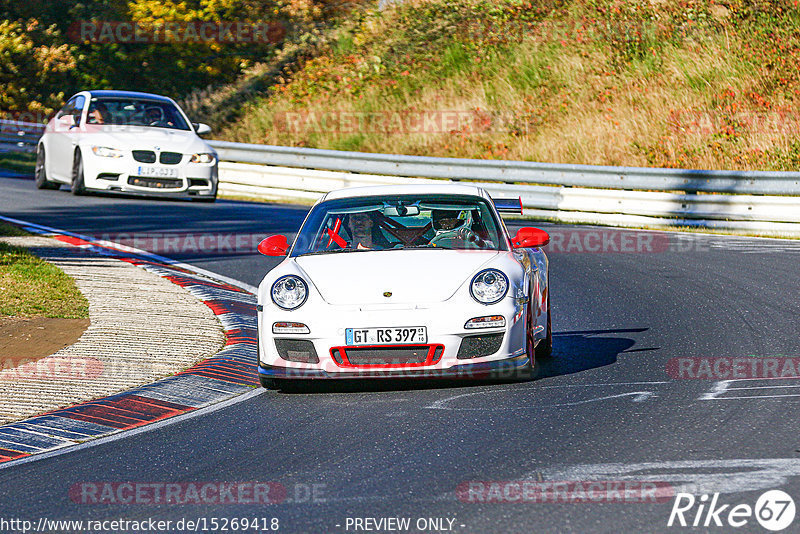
268	383
531	369
544	350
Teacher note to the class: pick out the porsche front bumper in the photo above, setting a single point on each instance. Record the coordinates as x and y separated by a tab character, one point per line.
441	355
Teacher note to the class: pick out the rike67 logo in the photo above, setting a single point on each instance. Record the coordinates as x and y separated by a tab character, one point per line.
774	510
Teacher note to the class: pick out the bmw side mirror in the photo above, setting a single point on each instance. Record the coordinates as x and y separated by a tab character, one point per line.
274	245
201	128
530	237
66	121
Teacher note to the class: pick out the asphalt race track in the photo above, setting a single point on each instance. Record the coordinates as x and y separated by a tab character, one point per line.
612	405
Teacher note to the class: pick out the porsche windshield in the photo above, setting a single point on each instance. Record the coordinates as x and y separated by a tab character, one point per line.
401	222
135	112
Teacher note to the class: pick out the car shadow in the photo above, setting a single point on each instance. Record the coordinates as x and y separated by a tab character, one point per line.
573	352
577	351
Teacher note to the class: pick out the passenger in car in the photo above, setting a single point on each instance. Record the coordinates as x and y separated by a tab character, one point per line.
364	232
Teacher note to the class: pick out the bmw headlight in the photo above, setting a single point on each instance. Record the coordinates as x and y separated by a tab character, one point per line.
106	152
289	292
489	286
202	158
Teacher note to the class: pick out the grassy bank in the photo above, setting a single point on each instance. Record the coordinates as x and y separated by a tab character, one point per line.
31	287
671	84
20	162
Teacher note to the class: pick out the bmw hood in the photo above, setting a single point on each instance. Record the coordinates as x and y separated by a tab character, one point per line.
411	276
139	138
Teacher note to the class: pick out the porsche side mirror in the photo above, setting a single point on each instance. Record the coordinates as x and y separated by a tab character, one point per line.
530	237
274	245
201	128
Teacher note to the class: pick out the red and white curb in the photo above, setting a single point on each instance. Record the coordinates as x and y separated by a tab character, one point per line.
227	374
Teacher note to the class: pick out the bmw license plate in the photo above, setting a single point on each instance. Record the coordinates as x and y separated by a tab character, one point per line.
404	335
157	172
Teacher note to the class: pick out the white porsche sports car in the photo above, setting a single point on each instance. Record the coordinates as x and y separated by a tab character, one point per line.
405	281
127	142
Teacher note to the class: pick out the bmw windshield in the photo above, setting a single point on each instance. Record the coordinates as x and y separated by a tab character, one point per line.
136	112
398	223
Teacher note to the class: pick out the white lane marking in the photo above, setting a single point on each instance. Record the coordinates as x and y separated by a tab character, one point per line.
768	387
122	434
639	396
724	386
751	397
718	389
138	252
605	384
750	247
690	476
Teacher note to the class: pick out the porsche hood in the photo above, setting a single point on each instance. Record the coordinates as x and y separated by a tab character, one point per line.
409	276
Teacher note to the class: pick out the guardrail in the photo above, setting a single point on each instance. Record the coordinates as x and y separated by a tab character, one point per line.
16	136
631	178
767	203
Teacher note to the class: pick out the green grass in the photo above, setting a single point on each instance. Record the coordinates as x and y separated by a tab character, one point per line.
577	81
31	287
18	162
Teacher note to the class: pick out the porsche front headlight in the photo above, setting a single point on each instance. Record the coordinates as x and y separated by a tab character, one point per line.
289	292
107	152
202	158
489	286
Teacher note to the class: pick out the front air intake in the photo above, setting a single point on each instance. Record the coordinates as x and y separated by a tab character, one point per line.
480	345
296	350
387	355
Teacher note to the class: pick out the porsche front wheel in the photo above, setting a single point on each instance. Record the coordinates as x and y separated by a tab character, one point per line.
544	350
532	367
268	383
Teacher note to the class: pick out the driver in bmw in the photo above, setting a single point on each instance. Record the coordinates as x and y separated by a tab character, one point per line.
154	116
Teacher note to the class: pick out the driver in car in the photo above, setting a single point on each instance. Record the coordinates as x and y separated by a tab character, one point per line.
454	230
154	116
98	114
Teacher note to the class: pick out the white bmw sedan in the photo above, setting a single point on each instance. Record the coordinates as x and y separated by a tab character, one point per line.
405	281
127	142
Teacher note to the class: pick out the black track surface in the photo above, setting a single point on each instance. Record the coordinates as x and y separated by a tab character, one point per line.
402	449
